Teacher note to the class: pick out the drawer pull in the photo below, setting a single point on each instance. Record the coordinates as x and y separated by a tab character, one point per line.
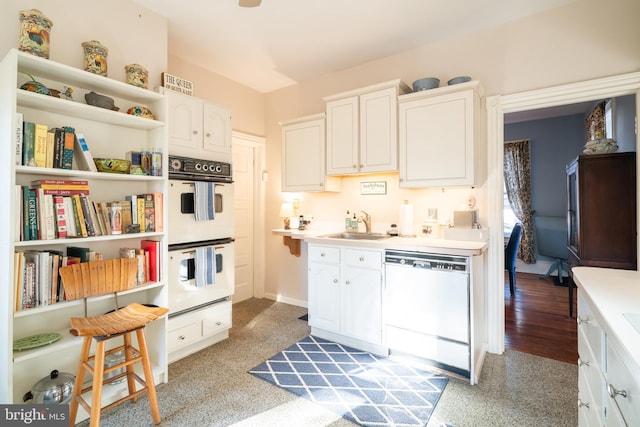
361	258
218	323
613	392
182	337
582	362
335	280
582	321
582	404
322	254
347	282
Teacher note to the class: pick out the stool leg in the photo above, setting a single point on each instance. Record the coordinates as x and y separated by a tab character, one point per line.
148	377
128	351
77	386
98	377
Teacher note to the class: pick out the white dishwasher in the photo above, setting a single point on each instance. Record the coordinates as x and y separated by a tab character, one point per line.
426	308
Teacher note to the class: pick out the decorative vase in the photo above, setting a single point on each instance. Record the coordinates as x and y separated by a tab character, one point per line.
35	30
137	75
95	57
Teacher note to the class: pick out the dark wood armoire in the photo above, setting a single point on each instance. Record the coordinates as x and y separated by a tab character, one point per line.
601	214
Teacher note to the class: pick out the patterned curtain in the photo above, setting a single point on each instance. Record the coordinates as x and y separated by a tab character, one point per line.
517	179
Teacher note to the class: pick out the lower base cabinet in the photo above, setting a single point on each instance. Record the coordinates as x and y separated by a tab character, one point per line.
191	332
345	295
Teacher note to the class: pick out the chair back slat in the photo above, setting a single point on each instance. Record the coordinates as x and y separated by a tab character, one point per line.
98	277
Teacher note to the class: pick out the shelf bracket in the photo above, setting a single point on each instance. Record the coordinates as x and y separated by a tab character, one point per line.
292	244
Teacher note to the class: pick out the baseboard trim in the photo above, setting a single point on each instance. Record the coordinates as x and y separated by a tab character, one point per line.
286	300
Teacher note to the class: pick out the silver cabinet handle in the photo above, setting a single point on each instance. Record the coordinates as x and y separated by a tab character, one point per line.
581	404
583	321
613	392
347	282
582	362
218	323
361	259
181	337
208	135
195	132
322	254
335	280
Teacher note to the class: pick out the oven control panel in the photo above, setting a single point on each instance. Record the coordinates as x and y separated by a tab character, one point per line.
198	169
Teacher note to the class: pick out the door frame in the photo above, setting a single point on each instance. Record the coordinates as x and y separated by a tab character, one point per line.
259	184
497	107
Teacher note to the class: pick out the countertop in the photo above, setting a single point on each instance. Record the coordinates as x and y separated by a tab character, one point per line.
439	246
612	293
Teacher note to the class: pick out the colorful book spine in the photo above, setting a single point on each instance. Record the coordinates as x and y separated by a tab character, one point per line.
140	213
71	217
51	144
40	145
32	214
81	224
159	211
28	143
61	217
67	152
85	159
149	213
58	148
85	204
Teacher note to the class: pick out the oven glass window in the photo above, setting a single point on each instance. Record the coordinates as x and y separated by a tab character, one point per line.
187	269
187	203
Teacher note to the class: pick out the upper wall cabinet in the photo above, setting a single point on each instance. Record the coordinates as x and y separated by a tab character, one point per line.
198	128
362	129
441	137
303	155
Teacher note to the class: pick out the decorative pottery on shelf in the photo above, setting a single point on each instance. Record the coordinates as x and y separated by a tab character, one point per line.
601	146
34	86
101	101
137	75
95	57
35	31
141	111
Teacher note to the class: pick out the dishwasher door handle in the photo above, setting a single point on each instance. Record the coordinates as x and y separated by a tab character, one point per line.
419	264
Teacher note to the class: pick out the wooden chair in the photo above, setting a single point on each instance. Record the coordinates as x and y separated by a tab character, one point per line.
98	278
510	254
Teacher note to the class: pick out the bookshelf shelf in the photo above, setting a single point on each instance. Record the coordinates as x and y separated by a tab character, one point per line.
109	134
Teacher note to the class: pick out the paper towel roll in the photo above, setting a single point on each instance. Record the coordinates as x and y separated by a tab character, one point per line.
406	219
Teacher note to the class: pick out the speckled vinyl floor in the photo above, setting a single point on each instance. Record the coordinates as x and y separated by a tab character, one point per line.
213	388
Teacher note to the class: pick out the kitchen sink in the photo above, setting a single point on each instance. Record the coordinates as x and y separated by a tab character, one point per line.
357	236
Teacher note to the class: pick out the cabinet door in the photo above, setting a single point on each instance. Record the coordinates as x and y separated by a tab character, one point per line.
303	156
361	300
379	131
342	136
436	138
216	129
324	295
185	121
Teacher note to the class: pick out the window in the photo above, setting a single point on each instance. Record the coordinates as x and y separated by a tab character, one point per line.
509	217
609	114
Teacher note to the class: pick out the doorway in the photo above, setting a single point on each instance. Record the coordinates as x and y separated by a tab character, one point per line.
247	164
497	107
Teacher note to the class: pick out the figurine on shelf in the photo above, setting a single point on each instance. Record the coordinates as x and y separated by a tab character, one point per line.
67	94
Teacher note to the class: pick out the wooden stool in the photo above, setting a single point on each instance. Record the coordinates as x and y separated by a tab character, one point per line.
98	278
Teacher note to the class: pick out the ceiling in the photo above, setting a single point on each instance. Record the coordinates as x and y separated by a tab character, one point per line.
284	42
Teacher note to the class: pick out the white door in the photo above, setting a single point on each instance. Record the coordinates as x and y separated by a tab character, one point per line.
249	177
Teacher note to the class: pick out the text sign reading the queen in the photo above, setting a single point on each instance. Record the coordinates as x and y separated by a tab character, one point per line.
177	84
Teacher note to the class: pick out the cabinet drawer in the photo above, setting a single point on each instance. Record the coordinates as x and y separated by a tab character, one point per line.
363	258
324	253
590	332
183	336
217	321
620	378
590	386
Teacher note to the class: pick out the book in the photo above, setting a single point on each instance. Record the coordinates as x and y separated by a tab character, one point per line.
79	252
28	143
158	199
71	217
31	212
85	205
40	145
69	142
85	159
100	219
50	151
60	183
19	136
61	217
133	199
153	248
125	207
149	212
104	211
81	225
19	206
58	148
30	285
140	213
46	216
18	271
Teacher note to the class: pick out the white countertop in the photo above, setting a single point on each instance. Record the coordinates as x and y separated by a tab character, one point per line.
441	246
613	293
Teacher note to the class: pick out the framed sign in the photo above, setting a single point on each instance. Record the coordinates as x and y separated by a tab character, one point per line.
177	84
373	187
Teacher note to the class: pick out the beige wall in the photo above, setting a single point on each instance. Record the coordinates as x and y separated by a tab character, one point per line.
130	32
582	41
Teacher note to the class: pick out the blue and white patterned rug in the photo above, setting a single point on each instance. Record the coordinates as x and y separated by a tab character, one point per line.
361	387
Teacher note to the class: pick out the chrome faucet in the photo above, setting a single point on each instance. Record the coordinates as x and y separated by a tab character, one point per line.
367	222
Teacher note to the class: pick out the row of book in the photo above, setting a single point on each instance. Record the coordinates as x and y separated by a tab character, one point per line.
37	281
50	147
57	209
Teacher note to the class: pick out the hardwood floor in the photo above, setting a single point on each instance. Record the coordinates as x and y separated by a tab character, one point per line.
537	319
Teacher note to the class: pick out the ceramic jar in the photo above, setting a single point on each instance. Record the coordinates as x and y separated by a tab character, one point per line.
95	57
137	75
35	30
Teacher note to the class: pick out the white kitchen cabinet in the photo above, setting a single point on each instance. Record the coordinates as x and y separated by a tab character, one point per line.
198	128
303	156
345	295
441	138
362	129
109	134
609	380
